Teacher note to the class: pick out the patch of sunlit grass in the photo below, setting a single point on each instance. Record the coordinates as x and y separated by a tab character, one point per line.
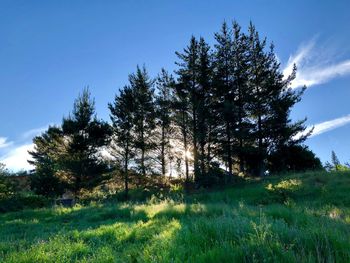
246	223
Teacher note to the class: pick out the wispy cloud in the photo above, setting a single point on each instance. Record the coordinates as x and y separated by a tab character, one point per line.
4	142
299	57
315	65
326	126
17	158
34	132
15	154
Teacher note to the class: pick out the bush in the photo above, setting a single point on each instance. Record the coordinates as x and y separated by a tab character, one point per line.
23	201
215	176
6	186
293	158
44	182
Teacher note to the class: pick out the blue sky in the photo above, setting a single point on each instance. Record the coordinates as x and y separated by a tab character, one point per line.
50	50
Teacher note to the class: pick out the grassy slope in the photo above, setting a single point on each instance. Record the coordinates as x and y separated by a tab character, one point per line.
295	218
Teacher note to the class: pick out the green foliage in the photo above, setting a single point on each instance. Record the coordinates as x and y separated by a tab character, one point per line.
342	168
122	116
229	104
230	225
69	157
6	188
82	164
48	149
215	176
22	201
144	117
234	102
165	84
335	164
293	158
335	160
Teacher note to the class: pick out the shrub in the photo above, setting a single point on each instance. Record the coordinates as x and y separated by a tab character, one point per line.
293	158
23	201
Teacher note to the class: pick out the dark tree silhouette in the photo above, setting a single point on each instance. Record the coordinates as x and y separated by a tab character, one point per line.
86	136
144	117
48	149
122	116
227	106
223	84
165	84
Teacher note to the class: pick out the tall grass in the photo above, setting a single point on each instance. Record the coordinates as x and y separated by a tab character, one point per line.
292	218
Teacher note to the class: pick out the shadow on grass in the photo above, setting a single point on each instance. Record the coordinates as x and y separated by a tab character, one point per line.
198	232
28	228
208	228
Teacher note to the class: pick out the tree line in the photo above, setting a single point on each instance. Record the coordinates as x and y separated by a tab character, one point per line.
225	111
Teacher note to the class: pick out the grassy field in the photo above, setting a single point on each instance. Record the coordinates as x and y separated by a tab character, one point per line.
292	218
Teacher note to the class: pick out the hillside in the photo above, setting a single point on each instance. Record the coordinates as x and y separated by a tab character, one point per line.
291	218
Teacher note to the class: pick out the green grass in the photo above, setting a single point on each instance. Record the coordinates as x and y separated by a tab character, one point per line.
291	218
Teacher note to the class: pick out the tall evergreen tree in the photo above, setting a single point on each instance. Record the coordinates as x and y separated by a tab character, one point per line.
86	135
283	132
182	120
239	69
188	79
48	150
335	160
271	102
122	116
204	101
165	85
262	91
225	98
144	116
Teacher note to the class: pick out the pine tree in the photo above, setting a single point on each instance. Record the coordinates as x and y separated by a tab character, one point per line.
144	116
285	134
204	98
165	85
271	102
46	156
86	136
122	117
188	79
225	98
262	93
182	120
335	160
239	69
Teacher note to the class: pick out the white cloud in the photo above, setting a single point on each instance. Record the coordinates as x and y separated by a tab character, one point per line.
17	158
4	143
315	66
326	126
299	58
15	154
34	132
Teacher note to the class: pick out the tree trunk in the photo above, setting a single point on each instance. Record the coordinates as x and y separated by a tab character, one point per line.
260	148
240	128
184	133
229	153
202	158
195	150
209	148
143	169
126	175
163	151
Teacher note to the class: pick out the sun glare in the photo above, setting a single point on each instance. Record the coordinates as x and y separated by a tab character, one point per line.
188	154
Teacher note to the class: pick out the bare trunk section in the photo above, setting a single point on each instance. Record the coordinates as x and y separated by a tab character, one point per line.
163	152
